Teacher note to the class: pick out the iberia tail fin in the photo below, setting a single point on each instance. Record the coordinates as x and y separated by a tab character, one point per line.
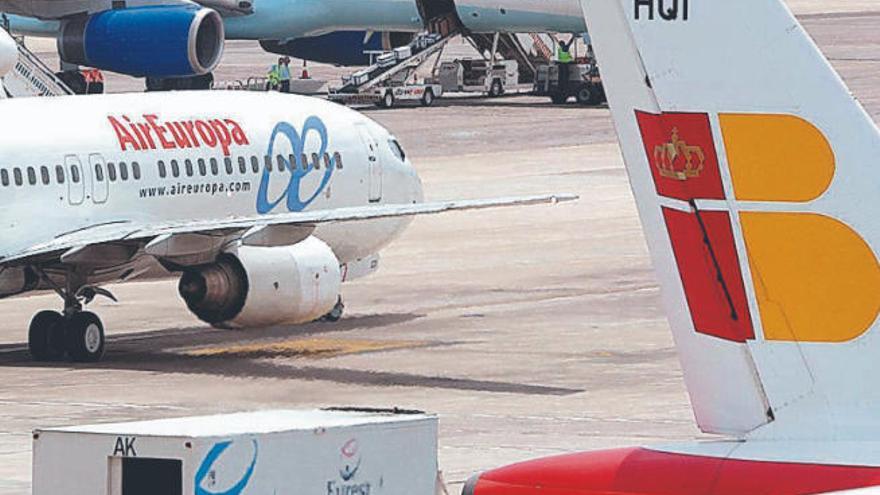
756	176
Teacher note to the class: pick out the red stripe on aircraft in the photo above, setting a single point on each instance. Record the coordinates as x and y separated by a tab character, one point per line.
638	471
682	155
718	304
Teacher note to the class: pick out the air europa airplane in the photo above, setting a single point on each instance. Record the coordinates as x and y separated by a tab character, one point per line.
755	174
264	204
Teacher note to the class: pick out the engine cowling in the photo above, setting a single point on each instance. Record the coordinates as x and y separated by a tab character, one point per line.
263	286
346	48
17	280
156	41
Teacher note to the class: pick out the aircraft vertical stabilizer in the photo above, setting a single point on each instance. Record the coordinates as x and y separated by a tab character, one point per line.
755	174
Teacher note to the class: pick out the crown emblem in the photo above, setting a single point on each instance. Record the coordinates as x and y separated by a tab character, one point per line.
668	158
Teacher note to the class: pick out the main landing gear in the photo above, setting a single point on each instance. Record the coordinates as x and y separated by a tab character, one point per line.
335	314
75	334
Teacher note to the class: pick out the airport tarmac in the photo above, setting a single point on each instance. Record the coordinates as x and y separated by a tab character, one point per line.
530	331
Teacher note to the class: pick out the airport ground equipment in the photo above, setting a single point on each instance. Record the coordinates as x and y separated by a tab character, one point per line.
392	78
29	76
583	83
478	76
332	451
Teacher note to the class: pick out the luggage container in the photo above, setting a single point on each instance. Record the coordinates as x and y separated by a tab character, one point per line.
333	452
403	53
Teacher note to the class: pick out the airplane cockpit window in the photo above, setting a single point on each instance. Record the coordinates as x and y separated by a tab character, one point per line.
4	177
203	169
59	174
19	181
163	172
111	171
215	169
99	173
32	176
123	171
397	149
175	168
44	175
136	170
337	158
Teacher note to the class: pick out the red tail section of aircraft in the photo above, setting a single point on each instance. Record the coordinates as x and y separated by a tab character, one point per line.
639	471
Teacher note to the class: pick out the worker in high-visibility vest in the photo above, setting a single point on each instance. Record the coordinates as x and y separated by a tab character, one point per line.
563	52
94	81
274	76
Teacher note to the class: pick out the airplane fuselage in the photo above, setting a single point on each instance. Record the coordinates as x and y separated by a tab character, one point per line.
177	159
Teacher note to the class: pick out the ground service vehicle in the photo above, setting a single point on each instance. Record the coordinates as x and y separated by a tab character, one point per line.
478	76
581	81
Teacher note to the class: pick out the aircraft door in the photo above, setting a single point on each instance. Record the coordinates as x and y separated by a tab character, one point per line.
100	180
374	165
76	180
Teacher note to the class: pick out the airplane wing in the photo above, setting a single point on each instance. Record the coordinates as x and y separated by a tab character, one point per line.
70	246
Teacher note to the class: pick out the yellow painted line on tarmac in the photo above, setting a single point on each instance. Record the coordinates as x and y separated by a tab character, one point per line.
311	348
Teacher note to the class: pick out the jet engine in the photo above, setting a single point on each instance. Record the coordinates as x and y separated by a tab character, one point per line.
190	40
17	280
262	286
347	48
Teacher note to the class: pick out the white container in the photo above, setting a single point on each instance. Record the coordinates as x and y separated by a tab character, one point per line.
360	77
333	452
386	60
403	52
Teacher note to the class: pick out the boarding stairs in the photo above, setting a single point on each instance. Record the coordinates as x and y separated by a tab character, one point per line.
423	47
510	46
31	77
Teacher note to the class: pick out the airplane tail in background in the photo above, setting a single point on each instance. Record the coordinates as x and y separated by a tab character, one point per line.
756	177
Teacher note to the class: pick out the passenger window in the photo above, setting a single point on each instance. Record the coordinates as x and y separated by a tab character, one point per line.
281	163
59	174
255	164
111	171
163	172
74	174
136	170
268	162
99	173
215	169
4	177
18	178
316	161
32	176
44	174
188	164
304	160
175	168
228	162
327	163
337	158
242	165
123	171
203	170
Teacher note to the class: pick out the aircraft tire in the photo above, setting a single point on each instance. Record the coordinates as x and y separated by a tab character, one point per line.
85	338
585	96
559	99
335	314
496	90
46	336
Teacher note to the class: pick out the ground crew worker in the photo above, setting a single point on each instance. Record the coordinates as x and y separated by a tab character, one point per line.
274	76
284	75
563	53
94	81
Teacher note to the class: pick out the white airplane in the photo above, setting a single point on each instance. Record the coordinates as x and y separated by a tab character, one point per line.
264	203
756	178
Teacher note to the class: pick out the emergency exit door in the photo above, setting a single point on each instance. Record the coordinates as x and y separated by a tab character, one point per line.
374	165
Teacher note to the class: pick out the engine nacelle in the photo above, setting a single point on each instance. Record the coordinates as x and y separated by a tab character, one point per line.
156	41
263	286
17	280
8	53
339	48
